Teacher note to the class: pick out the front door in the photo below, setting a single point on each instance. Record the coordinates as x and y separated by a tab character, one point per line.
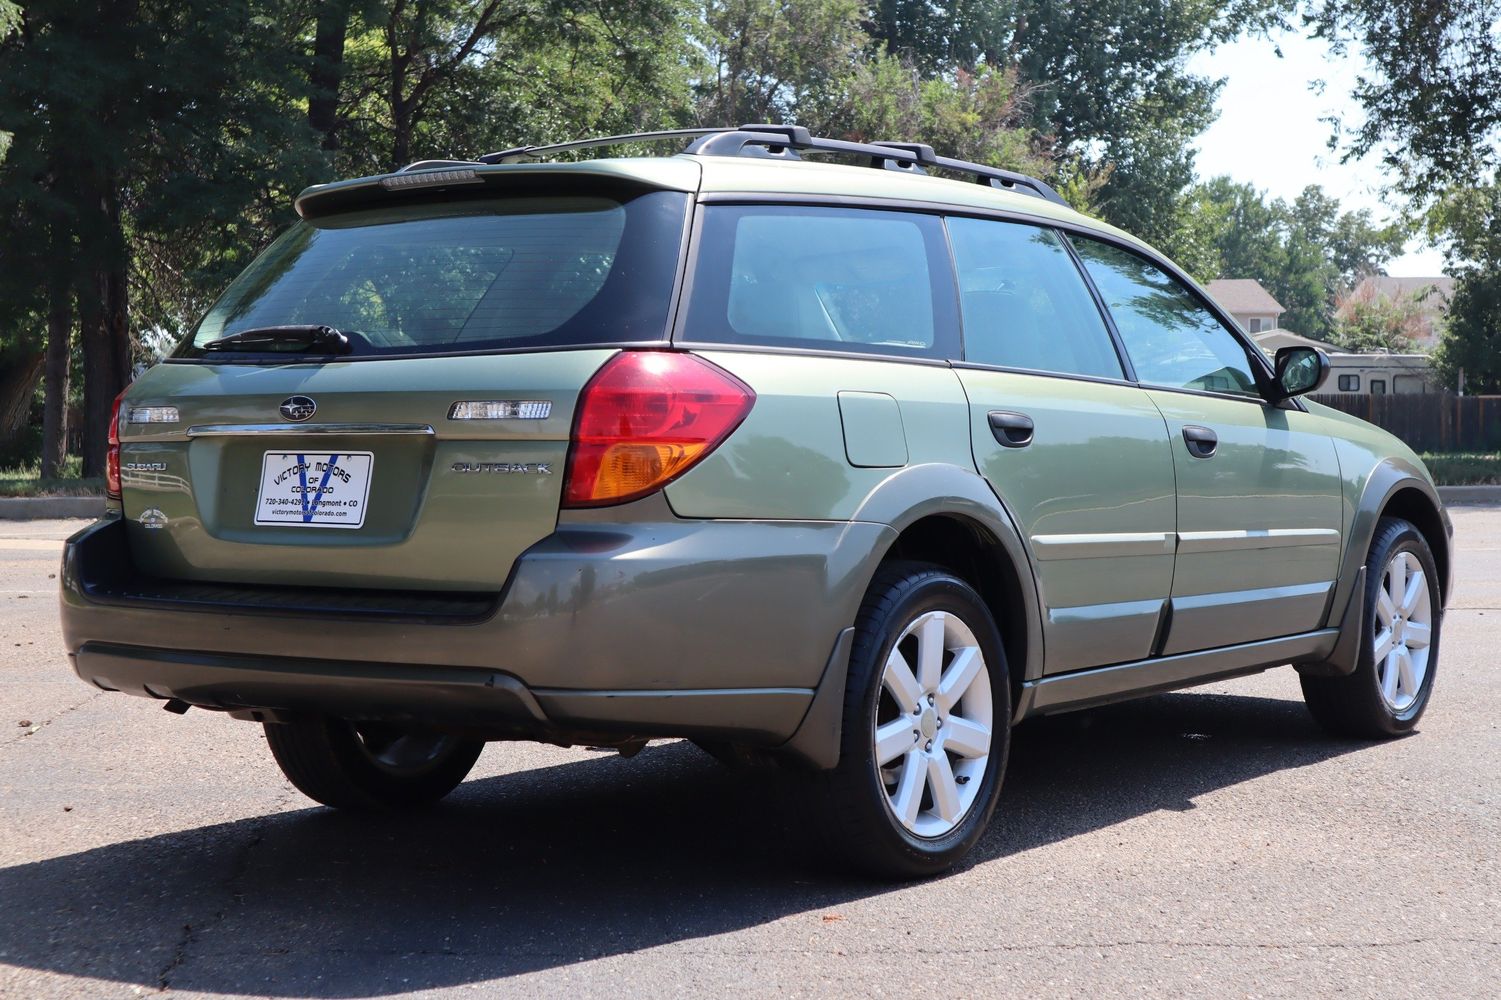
1259	495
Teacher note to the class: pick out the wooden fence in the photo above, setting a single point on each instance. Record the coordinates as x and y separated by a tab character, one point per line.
1429	421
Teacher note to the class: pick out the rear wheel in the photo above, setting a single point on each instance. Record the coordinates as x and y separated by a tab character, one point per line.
369	766
925	728
1391	684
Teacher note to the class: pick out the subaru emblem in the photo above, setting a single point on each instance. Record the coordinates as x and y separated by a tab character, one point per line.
298	407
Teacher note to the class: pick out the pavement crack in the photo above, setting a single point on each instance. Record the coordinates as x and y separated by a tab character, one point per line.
230	882
37	727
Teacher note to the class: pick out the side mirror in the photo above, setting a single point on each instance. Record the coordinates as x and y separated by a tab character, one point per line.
1299	370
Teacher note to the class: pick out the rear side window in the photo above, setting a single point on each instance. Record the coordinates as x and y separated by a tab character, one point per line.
521	272
827	278
1025	304
1172	338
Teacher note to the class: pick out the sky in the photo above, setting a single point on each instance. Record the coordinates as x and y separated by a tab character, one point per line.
1269	133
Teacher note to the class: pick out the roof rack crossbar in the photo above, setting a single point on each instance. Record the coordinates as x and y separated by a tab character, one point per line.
784	141
903	155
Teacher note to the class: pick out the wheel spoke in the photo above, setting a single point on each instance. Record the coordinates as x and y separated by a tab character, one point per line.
959	676
894	739
965	738
1414	592
909	789
1405	683
930	652
1384	643
945	789
898	680
1396	578
1389	671
1385	609
1418	635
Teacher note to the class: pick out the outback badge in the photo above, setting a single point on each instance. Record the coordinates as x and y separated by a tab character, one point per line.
298	407
505	468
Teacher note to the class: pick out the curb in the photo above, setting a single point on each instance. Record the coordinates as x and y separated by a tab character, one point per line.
50	508
1470	494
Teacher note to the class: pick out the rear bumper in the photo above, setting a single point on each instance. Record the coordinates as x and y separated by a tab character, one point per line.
714	628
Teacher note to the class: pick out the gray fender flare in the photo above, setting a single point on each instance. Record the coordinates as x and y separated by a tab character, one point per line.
901	500
1346	605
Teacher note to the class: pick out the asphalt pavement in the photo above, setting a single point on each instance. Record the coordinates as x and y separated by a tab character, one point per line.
1209	843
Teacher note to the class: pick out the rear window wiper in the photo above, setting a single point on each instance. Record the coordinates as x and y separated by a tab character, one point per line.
299	338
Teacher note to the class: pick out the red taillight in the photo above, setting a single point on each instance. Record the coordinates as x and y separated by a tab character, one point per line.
112	457
644	419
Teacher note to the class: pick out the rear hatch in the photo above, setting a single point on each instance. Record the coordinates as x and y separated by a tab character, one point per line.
384	398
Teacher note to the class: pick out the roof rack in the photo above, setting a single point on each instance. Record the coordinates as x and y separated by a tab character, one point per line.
784	142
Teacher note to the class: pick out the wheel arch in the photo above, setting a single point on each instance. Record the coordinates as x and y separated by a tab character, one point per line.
1394	488
951	517
1411	503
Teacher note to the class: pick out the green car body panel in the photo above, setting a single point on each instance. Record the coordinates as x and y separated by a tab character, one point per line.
721	604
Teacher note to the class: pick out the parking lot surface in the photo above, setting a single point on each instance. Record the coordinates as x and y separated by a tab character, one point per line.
1205	843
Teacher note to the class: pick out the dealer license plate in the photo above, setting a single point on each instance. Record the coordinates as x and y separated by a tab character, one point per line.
310	490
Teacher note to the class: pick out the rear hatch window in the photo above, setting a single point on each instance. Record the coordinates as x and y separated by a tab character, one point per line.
476	276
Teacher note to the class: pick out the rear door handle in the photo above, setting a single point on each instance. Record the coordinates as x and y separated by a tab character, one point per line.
1201	441
1011	429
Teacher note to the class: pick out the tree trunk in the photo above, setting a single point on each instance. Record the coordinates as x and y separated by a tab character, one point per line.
327	70
55	405
104	330
20	371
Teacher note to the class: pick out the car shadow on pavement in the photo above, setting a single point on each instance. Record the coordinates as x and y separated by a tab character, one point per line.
546	868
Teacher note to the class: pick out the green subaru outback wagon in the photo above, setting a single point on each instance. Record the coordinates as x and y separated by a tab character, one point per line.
846	456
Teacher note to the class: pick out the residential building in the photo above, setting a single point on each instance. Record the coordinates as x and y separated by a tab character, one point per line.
1252	305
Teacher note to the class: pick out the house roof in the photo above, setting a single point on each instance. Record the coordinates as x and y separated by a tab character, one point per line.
1387	286
1244	295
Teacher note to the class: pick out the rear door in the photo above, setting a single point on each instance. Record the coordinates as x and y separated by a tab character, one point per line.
1259	494
431	453
1076	452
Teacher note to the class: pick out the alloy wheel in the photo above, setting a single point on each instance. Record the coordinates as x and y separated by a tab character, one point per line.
933	725
1404	630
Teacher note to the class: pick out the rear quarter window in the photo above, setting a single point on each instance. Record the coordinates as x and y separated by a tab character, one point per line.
823	278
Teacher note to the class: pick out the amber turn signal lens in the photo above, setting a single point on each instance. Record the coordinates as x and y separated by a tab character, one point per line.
646	418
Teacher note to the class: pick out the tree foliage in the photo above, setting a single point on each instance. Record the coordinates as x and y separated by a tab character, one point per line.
1365	321
158	145
1305	252
1431	99
1471	342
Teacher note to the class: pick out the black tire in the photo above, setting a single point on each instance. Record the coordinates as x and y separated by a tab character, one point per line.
1353	705
849	806
369	767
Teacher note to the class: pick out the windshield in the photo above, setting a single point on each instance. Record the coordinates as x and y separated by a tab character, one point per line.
522	272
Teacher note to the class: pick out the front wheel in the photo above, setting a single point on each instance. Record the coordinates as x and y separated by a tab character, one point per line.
1392	681
369	766
926	727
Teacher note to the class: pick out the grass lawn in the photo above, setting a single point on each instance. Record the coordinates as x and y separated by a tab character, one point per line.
1463	468
26	481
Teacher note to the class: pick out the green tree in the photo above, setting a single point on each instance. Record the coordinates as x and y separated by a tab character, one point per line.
1365	321
459	77
1431	96
773	60
139	120
1306	253
1469	351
